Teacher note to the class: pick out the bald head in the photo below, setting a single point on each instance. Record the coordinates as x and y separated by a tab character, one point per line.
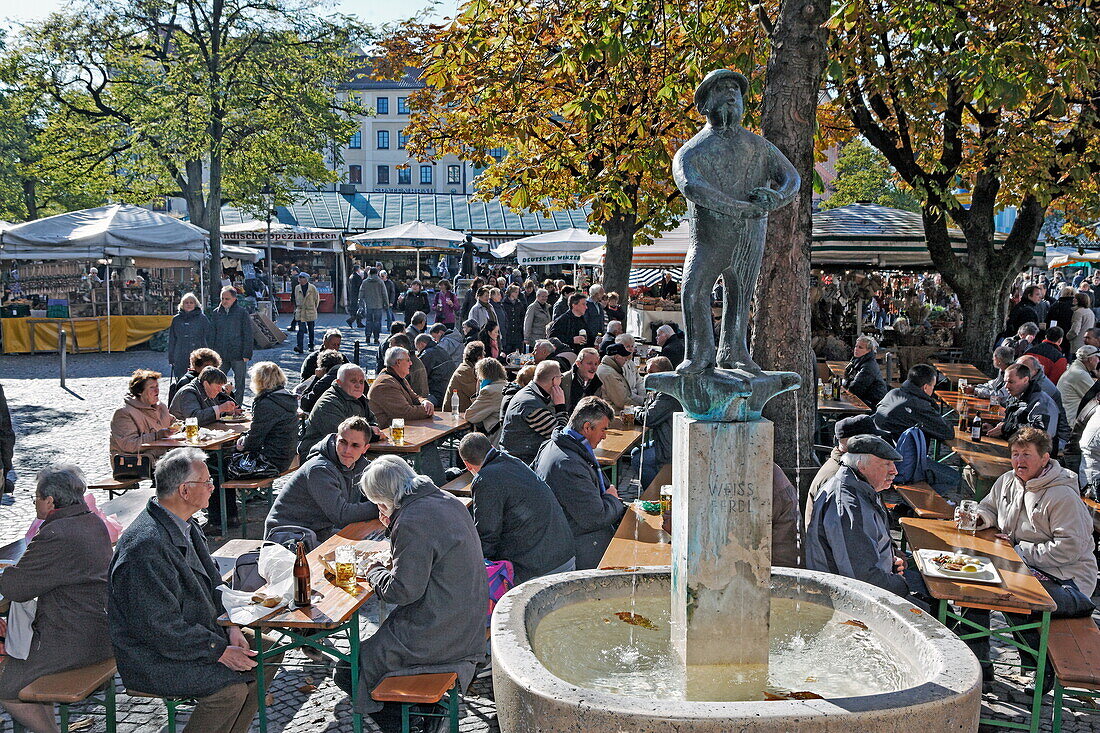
1033	365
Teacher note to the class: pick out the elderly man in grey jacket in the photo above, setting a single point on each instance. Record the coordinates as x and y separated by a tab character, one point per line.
373	303
436	586
232	339
849	533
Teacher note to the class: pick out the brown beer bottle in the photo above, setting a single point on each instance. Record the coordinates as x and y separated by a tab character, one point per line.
301	577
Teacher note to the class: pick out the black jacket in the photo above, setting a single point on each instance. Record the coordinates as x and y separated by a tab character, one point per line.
163	608
440	367
274	430
908	406
573	474
656	415
7	436
309	366
674	348
865	380
512	324
231	333
568	326
518	518
189	331
412	302
1023	312
1061	315
317	388
322	494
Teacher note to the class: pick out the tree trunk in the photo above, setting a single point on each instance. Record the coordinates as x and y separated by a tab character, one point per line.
30	198
781	324
214	226
983	319
618	253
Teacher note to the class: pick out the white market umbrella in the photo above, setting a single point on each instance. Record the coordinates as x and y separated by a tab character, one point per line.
668	250
412	236
562	247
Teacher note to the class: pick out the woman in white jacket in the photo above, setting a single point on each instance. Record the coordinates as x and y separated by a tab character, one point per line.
484	410
1037	507
1083	320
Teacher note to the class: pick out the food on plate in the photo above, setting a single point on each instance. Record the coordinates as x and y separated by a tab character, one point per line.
957	563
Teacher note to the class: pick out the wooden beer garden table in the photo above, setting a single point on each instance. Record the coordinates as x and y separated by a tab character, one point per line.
925	501
228	434
640	541
988	458
420	434
1019	592
848	404
618	442
955	372
334	611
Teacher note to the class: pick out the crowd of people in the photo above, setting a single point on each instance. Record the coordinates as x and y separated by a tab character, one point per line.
1049	388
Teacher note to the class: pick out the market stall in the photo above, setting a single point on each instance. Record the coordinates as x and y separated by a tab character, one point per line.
120	303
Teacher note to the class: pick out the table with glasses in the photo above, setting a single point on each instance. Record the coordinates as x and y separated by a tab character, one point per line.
420	441
640	540
1019	592
617	444
954	372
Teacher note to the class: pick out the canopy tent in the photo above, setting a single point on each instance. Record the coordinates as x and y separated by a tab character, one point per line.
118	230
649	275
1069	256
240	252
857	235
413	236
562	247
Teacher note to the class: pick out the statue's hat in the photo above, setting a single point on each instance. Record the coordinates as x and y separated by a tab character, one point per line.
713	77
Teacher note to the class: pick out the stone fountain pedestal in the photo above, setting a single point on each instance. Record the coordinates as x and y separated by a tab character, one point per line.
721	548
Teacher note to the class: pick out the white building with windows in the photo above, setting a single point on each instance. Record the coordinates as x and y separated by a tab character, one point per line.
374	159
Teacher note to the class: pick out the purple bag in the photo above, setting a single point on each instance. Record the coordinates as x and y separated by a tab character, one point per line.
502	578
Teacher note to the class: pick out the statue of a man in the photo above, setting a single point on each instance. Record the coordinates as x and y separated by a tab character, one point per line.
731	178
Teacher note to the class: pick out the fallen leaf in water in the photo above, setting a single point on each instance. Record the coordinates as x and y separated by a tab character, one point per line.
635	619
771	697
607	620
806	696
857	624
811	679
307	688
916	611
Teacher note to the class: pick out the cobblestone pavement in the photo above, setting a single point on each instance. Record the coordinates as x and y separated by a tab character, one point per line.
72	424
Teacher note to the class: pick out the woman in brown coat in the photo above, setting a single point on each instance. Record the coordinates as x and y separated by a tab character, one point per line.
65	568
465	380
142	418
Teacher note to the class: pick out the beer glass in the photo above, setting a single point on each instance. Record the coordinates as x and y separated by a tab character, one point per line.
966	516
628	417
666	499
397	430
371	374
346	558
191	429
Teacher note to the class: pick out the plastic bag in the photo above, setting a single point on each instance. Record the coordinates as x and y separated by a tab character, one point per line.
276	566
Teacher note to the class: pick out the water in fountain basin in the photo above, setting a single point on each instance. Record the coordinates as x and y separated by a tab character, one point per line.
811	650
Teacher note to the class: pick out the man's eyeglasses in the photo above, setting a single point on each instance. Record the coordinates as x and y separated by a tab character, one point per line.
208	482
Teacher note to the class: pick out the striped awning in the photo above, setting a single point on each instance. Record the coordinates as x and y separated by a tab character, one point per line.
648	276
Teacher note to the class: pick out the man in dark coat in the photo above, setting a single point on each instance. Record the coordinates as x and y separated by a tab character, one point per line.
572	327
436	586
190	330
862	375
512	325
438	366
352	296
567	463
912	405
330	342
516	514
323	494
343	399
1025	311
1049	353
532	415
199	360
7	446
232	338
672	344
163	605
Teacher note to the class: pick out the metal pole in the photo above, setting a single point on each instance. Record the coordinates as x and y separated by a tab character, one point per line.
108	306
62	337
270	267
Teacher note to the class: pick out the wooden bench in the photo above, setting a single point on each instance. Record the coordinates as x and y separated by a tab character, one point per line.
74	686
1074	651
421	689
460	485
113	486
245	489
924	500
172	703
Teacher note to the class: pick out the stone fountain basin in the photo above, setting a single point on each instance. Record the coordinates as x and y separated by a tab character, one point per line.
529	698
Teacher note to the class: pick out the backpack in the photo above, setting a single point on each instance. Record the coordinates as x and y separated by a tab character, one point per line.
502	578
914	463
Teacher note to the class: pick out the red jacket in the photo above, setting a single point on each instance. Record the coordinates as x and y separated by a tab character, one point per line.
1050	356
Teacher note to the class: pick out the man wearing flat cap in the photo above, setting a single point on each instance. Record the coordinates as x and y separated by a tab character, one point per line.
844	429
849	534
731	179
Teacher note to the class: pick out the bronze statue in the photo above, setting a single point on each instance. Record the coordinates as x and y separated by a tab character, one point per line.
731	178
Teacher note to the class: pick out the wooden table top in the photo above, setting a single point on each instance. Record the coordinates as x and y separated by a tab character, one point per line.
332	606
1020	591
419	433
640	540
925	501
989	457
234	431
848	403
955	372
618	442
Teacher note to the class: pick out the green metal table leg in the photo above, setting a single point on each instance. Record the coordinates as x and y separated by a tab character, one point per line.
453	705
353	642
1056	720
261	693
1040	672
220	460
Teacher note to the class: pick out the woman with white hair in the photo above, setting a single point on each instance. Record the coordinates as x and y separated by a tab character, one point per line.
190	330
436	585
65	568
862	376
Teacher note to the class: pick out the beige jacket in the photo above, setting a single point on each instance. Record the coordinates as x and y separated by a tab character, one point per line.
464	381
1048	523
305	306
135	423
615	388
485	408
828	469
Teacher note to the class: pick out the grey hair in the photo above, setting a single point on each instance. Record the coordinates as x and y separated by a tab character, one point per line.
596	291
545	345
1028	329
474	447
625	338
546	370
855	460
1004	354
174	468
542	291
612	325
869	342
666	329
330	333
346	369
386	479
423	340
396	354
419	316
229	289
64	482
590	410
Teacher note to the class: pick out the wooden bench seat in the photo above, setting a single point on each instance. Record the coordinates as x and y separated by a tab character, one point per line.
924	500
416	688
71	686
460	485
113	486
1074	651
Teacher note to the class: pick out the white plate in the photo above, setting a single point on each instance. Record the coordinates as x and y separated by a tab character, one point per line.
986	574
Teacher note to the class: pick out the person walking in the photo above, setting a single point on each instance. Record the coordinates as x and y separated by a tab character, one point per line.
190	330
306	302
232	339
354	283
374	303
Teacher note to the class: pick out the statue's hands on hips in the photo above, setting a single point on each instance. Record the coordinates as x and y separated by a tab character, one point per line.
766	198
